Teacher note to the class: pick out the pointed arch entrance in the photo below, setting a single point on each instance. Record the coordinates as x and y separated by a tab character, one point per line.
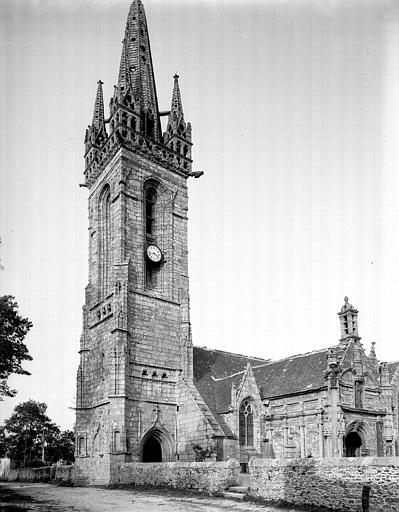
355	438
156	446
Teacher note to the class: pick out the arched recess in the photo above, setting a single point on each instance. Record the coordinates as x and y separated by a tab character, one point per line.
355	439
154	210
157	446
246	422
104	207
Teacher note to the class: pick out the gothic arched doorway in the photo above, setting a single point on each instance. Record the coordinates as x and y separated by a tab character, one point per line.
157	446
152	451
353	442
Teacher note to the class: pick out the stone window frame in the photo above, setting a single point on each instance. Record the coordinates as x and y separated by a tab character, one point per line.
116	441
246	423
81	444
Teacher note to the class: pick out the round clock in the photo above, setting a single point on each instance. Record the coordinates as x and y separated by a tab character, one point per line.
154	253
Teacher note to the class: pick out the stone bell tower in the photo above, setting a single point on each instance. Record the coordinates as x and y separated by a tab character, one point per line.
136	347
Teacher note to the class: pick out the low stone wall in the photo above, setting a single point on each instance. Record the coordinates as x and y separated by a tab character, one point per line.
208	477
44	474
336	484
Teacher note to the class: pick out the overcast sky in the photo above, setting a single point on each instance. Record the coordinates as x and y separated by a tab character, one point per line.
295	113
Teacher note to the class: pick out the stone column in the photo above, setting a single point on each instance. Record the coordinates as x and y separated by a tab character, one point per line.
303	440
285	440
321	440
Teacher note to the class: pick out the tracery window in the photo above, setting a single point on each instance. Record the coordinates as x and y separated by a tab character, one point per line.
246	423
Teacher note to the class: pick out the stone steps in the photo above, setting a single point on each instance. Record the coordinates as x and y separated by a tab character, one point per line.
239	489
237	492
233	495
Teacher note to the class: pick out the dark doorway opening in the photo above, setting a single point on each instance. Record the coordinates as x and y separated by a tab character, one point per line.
152	451
353	442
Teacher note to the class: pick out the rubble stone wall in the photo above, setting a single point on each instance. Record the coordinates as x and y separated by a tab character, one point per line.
208	477
333	483
44	474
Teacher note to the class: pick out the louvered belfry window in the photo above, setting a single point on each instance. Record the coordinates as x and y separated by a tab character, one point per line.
246	423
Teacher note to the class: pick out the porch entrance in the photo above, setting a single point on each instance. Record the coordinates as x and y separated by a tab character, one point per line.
157	445
353	442
152	451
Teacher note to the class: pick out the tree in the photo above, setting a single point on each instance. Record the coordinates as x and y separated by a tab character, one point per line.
62	447
31	438
3	443
13	329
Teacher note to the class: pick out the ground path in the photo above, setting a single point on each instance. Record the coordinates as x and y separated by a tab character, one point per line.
21	497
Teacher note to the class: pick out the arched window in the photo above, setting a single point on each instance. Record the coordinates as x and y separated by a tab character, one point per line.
105	240
246	423
116	441
153	231
82	447
150	204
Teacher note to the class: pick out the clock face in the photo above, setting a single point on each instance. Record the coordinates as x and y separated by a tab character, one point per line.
154	253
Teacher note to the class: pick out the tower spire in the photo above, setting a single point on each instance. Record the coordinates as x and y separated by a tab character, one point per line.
178	133
176	111
96	133
98	115
136	83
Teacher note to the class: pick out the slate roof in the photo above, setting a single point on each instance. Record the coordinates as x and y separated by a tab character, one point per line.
220	364
215	371
229	367
292	375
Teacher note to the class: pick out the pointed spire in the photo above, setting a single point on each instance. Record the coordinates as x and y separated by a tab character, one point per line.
136	74
372	354
176	108
98	115
96	133
176	124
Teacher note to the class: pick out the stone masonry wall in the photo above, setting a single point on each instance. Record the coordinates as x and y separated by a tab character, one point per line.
45	474
208	477
333	483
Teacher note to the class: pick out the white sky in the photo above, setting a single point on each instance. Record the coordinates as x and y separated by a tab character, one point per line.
295	113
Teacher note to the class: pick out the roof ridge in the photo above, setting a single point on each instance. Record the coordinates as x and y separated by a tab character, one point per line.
295	356
231	353
215	379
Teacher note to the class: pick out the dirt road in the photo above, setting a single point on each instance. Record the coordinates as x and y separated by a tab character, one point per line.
21	497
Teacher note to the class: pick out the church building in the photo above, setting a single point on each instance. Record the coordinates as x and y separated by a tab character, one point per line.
143	392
